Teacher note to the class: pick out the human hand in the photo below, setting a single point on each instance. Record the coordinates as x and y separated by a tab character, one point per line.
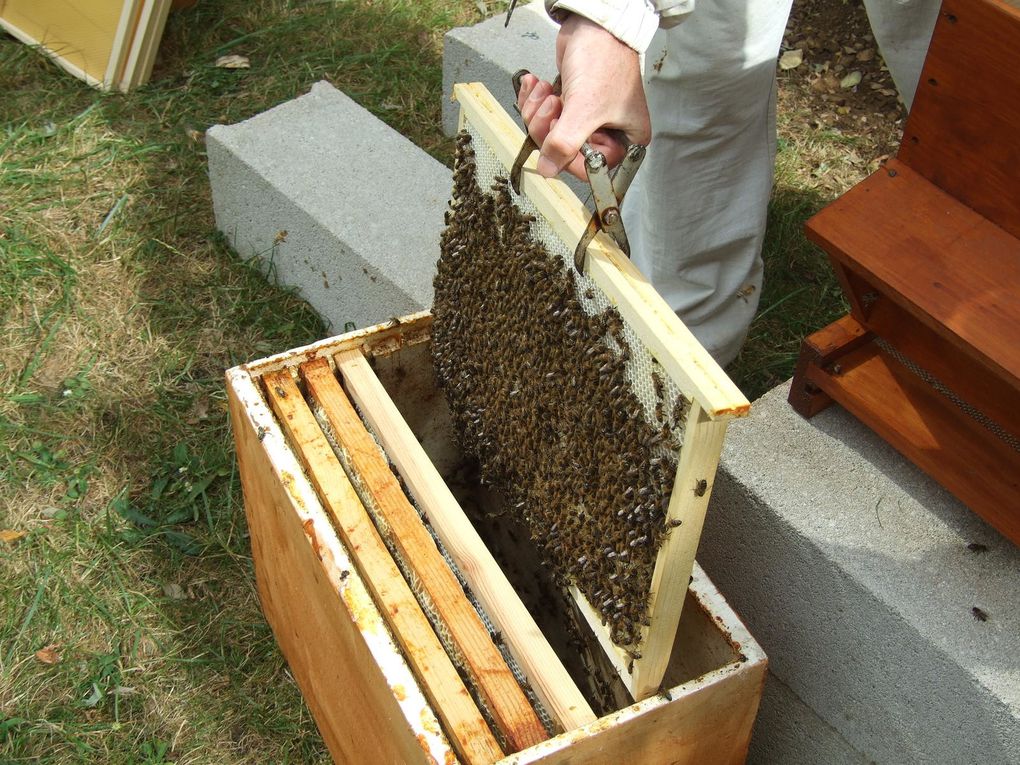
602	97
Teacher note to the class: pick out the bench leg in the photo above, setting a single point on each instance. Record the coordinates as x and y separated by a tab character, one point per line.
818	353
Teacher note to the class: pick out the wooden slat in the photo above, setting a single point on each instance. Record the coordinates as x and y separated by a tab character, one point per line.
955	271
962	133
968	380
488	672
138	65
442	685
950	446
681	355
525	640
386	337
325	622
688	504
817	350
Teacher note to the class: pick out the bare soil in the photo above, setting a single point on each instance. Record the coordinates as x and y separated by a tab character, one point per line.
836	39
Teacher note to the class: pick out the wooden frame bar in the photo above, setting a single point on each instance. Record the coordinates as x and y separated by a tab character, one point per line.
465	725
528	645
468	637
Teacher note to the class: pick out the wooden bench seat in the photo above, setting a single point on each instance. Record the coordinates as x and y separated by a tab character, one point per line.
927	251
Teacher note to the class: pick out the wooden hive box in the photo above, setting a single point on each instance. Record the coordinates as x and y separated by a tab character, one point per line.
330	598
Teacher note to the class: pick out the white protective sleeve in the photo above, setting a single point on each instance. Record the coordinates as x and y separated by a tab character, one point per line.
633	22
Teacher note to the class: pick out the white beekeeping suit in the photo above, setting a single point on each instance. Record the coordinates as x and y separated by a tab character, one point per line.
696	213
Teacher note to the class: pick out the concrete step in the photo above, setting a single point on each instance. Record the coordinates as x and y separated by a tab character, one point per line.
333	202
859	576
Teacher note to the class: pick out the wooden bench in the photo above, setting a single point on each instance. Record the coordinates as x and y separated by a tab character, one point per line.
927	250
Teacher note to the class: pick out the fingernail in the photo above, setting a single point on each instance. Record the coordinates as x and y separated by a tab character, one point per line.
546	167
546	109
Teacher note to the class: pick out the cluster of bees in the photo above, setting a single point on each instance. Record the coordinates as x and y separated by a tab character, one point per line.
540	396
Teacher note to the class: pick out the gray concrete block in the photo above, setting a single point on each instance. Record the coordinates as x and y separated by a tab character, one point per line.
333	202
490	53
852	569
788	731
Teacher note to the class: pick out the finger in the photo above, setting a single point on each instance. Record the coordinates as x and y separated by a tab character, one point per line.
528	82
544	118
563	142
536	99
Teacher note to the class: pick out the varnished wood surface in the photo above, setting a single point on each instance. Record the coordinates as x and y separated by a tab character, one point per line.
963	132
955	271
443	687
957	451
317	617
487	670
985	391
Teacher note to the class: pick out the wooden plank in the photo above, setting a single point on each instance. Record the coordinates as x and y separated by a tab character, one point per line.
955	271
954	449
327	627
145	43
705	722
688	504
818	350
525	640
384	338
511	712
968	380
442	685
86	39
681	355
962	130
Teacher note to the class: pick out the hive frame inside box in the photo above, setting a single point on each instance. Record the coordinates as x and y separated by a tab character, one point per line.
713	396
357	684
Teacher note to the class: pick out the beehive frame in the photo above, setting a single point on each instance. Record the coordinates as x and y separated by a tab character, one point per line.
714	398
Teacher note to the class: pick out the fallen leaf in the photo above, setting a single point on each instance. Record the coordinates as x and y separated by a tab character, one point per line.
174	591
48	655
791	59
199	410
233	61
852	80
11	536
866	55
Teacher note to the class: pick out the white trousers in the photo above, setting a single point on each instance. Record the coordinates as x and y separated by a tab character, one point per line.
696	212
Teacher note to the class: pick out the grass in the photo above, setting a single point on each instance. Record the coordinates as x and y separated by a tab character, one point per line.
130	630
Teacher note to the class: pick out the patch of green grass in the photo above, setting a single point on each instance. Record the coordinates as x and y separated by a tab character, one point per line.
130	630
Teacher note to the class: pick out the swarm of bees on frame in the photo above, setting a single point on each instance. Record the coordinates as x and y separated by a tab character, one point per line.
540	396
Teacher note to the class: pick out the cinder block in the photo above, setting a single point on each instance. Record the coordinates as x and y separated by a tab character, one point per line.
333	202
490	53
859	576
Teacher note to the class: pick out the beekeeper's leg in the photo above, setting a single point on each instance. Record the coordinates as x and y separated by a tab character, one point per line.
696	212
903	30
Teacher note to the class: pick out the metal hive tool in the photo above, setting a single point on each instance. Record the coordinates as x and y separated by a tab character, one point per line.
565	388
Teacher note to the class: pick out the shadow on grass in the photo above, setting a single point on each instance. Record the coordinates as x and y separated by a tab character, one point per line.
800	294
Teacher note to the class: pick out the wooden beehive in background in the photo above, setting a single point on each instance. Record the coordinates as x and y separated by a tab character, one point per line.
386	598
110	44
